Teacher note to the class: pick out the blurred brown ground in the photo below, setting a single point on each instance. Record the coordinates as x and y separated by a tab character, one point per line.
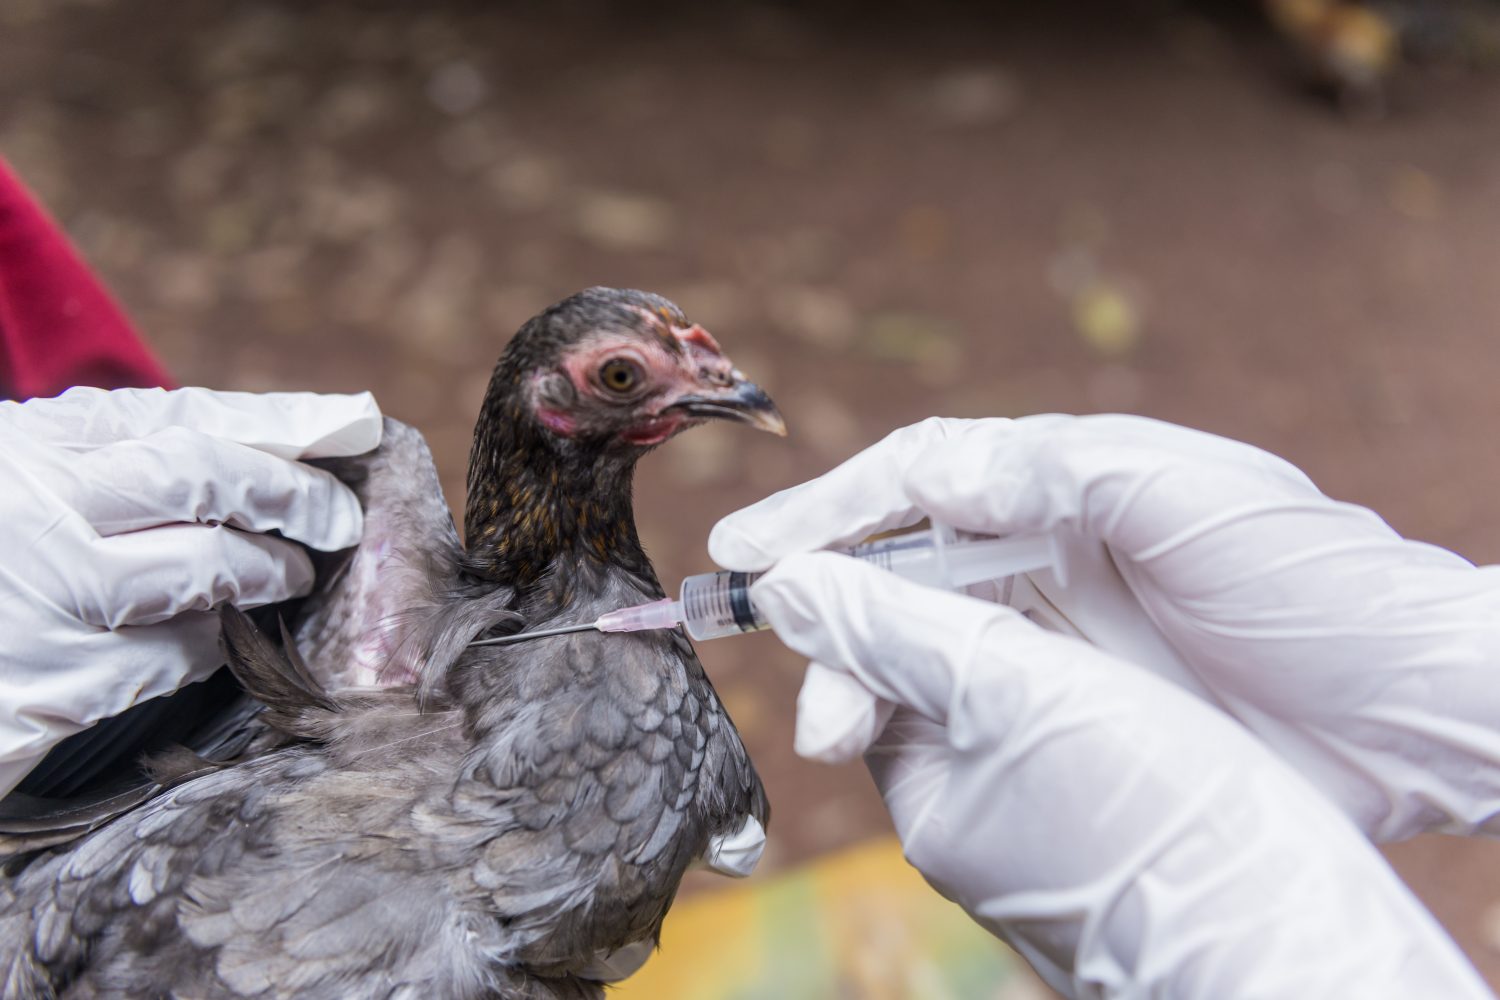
881	214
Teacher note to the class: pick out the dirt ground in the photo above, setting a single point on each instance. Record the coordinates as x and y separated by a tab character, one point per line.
881	214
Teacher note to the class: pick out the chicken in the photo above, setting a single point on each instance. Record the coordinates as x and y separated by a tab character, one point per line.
415	816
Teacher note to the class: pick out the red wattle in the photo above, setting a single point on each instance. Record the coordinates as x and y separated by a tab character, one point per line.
653	431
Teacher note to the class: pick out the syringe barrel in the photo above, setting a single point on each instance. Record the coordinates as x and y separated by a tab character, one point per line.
719	604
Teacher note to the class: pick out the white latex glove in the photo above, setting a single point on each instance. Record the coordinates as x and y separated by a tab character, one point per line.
1368	662
1126	838
1129	839
127	515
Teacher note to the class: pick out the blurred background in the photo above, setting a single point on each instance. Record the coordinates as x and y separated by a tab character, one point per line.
1273	222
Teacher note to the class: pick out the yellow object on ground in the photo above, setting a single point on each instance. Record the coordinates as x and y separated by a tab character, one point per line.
858	925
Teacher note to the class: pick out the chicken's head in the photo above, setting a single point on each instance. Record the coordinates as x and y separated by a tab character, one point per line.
622	371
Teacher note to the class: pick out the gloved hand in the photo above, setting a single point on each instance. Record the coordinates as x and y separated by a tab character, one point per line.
127	515
1368	662
1127	837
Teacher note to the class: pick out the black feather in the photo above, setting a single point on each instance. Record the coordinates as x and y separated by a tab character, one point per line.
276	677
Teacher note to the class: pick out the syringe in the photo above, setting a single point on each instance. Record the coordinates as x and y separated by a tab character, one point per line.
718	604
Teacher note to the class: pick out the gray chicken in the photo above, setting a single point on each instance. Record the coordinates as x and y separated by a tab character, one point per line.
414	816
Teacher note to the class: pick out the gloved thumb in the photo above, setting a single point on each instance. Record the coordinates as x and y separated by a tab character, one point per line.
900	642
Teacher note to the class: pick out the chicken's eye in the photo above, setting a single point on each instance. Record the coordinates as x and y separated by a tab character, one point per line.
619	375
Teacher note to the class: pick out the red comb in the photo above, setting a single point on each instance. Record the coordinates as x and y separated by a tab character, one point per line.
695	334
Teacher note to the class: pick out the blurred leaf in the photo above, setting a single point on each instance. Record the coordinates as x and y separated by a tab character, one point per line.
1107	318
819	316
1071	270
525	184
436	313
184	280
618	221
229	228
928	343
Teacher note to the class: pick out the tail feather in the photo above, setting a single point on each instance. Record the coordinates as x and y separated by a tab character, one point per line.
275	676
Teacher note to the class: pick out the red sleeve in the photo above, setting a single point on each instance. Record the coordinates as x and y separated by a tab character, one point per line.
58	326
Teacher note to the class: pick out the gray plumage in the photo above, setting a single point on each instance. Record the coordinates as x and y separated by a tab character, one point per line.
416	817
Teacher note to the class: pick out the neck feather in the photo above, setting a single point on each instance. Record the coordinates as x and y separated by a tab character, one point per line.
542	510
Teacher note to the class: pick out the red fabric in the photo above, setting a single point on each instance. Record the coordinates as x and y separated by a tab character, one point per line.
58	326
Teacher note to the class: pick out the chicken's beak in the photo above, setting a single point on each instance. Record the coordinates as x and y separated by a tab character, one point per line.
742	400
718	389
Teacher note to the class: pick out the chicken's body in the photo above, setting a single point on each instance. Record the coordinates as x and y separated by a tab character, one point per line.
488	831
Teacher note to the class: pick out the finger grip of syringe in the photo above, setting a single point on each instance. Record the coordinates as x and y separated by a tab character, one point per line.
960	563
993	558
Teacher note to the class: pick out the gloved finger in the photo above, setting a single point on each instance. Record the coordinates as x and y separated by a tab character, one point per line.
286	424
108	673
1036	474
179	475
145	577
858	498
837	717
902	642
1129	840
